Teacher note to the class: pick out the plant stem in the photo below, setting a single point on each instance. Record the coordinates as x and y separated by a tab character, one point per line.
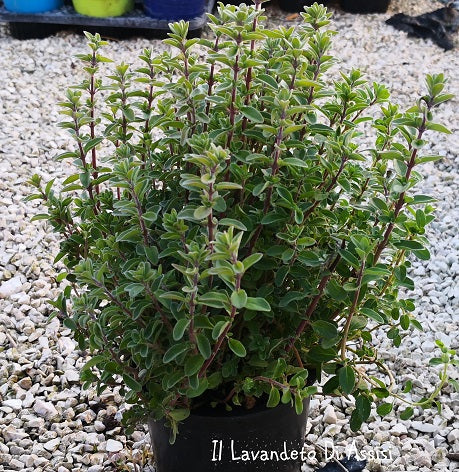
210	82
312	306
269	192
401	200
92	124
352	311
222	336
248	77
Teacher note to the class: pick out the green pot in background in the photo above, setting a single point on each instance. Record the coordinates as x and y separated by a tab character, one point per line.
103	8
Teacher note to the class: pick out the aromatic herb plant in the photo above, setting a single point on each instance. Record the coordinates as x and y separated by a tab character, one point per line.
229	232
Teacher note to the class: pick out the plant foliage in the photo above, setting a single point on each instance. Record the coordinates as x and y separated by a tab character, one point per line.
228	229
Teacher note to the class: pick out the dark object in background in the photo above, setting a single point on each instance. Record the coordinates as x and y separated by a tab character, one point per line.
437	25
365	6
174	10
351	464
293	6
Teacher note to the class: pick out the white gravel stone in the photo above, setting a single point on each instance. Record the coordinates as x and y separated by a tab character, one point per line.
422	459
72	376
424	427
12	286
11	433
52	445
330	415
453	436
13	403
114	446
398	429
45	409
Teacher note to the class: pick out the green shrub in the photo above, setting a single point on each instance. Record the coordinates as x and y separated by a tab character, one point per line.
233	235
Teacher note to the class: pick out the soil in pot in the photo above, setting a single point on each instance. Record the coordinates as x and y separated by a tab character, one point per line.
258	440
174	9
32	6
365	6
103	8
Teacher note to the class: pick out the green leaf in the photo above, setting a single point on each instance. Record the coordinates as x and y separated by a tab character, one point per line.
349	257
307	83
286	396
134	289
405	321
257	304
203	345
173	379
93	362
274	398
356	421
281	274
298	404
202	212
436	361
69	323
324	329
384	409
424	159
214	299
285	194
273	217
346	377
407	413
252	114
231	222
174	351
239	298
193	364
372	314
180	328
132	383
291	297
318	354
91	144
363	405
179	414
237	347
335	291
219	328
268	80
130	235
408	386
251	260
380	204
437	127
409	244
228	186
197	392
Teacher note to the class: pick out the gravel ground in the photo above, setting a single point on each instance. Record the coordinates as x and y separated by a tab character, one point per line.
47	423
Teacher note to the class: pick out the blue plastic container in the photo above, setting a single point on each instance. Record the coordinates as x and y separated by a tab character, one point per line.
174	9
32	6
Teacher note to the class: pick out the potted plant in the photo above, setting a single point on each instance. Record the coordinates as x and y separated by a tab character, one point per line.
365	6
32	6
174	9
228	239
103	8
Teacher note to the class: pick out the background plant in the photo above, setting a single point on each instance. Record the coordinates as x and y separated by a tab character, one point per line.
237	235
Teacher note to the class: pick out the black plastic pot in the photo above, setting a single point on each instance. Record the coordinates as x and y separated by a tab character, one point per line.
211	441
296	5
365	6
